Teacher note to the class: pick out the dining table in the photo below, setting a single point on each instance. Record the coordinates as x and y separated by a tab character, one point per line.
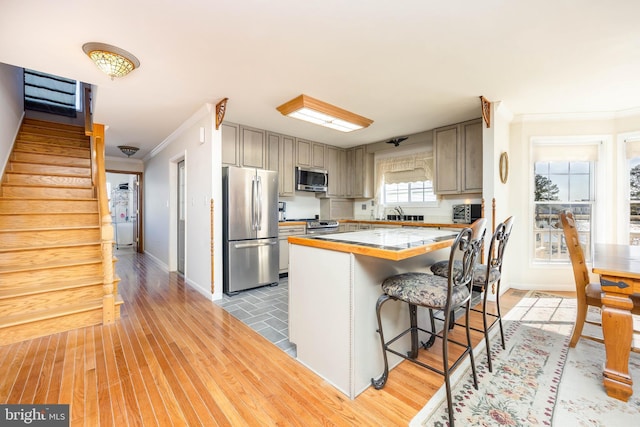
619	269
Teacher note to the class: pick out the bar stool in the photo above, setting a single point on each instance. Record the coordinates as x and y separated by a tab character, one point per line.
485	276
435	293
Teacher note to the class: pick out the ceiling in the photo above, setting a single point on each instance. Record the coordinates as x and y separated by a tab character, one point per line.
409	66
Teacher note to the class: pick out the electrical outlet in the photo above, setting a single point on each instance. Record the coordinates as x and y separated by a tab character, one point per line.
364	206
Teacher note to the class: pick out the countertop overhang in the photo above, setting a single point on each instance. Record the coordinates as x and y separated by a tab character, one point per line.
391	244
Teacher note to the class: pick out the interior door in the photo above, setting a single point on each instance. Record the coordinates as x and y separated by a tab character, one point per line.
181	216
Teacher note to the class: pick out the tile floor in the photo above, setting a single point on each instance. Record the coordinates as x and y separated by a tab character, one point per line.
265	310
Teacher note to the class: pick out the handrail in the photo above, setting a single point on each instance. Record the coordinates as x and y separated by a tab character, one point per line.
106	228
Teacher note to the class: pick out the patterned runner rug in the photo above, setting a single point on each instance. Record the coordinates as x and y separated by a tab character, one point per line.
537	380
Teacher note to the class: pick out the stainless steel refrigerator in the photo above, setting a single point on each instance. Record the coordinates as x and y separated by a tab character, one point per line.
250	219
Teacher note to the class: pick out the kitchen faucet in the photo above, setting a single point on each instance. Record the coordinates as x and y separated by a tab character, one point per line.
399	211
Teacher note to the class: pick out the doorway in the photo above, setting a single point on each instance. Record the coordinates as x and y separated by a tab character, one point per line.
181	216
124	190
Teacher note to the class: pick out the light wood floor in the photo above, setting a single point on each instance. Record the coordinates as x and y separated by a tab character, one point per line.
175	358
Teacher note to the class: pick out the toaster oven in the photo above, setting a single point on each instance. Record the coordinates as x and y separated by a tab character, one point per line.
466	213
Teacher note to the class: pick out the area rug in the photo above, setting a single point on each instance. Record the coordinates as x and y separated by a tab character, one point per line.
537	380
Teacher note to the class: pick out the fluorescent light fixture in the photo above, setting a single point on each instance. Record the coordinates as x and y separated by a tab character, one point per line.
320	113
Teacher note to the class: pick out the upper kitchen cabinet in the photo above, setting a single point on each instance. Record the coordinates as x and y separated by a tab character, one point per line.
360	171
253	151
230	145
335	164
310	154
280	157
458	158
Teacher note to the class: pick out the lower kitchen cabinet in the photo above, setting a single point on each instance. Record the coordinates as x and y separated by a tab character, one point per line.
284	232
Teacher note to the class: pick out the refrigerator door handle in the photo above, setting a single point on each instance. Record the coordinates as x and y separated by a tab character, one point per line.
253	204
253	244
259	205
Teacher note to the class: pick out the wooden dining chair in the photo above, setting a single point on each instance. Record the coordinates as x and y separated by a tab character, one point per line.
587	294
433	292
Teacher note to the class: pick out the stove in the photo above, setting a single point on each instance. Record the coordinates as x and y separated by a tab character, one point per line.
322	226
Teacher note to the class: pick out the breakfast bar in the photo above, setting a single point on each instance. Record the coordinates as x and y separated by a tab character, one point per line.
334	283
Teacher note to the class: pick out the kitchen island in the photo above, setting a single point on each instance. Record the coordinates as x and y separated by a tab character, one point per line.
334	283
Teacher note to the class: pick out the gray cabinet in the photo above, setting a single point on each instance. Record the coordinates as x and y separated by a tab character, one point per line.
280	155
458	158
230	144
243	146
253	152
310	154
360	168
283	234
335	165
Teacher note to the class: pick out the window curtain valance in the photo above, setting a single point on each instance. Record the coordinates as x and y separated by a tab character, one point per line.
409	168
566	152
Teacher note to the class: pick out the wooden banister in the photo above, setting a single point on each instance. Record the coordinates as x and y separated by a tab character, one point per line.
106	228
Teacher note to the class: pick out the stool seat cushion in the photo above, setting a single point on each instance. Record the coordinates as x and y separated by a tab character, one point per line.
441	268
423	289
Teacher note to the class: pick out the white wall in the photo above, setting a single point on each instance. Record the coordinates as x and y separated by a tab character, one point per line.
203	169
11	109
520	272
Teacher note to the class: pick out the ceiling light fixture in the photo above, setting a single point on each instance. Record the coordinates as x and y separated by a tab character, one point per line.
128	150
111	60
320	113
396	141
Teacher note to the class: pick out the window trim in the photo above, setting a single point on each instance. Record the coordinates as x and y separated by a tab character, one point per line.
602	181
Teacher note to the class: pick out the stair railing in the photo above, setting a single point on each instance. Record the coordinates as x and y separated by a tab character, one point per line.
99	179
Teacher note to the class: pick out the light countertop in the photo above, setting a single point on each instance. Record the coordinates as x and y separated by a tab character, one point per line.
394	244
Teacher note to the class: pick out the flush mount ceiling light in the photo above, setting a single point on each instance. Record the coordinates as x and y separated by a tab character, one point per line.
128	150
113	61
320	113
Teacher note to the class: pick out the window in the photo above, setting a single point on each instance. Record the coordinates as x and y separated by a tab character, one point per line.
564	178
408	192
406	179
633	196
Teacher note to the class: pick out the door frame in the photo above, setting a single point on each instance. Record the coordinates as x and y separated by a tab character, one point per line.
140	214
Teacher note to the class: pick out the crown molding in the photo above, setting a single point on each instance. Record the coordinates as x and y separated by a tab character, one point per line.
202	112
602	115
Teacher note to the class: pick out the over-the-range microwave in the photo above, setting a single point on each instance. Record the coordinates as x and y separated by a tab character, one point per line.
310	179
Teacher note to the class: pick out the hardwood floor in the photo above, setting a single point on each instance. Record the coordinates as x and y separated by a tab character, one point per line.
175	358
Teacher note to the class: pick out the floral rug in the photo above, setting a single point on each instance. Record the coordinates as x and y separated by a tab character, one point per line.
537	380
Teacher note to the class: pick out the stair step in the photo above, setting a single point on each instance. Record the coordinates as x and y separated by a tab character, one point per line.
39	257
29	192
47	180
26	147
84	270
44	298
55	136
49	159
22	327
43	220
44	125
10	205
40	169
18	239
58	141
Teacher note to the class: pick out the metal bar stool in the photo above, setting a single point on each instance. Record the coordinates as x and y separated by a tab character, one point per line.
435	293
486	276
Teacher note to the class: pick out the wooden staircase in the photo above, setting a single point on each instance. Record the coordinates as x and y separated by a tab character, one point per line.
52	269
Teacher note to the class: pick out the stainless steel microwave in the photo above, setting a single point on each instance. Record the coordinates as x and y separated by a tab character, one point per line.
310	179
467	213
